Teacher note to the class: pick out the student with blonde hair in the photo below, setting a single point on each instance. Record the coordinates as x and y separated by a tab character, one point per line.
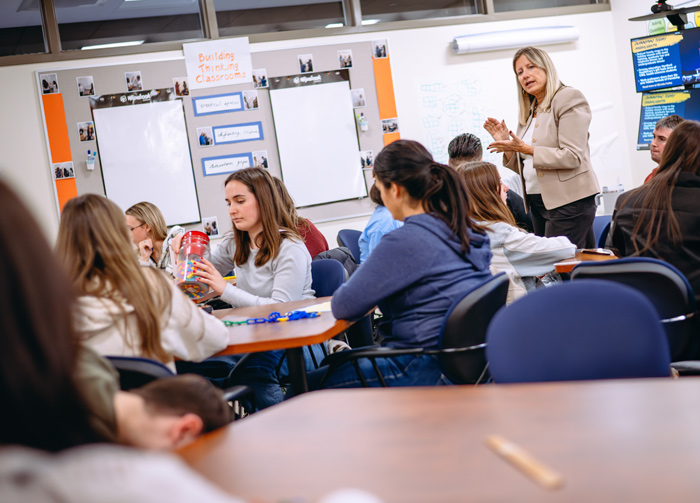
151	235
124	309
522	255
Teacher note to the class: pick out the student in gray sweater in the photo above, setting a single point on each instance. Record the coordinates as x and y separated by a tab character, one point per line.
417	271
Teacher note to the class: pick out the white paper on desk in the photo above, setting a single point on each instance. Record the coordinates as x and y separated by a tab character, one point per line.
324	306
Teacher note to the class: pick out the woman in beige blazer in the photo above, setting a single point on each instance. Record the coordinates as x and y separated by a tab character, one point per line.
550	150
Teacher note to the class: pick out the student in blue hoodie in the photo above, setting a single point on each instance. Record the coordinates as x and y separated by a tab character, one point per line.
417	271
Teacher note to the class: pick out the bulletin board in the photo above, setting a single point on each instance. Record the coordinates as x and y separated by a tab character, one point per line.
227	128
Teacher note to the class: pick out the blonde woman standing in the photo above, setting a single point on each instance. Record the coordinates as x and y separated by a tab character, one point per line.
549	150
151	235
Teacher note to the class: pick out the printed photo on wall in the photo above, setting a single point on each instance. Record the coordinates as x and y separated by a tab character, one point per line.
367	159
133	81
390	126
358	98
260	159
211	226
86	86
260	78
180	85
205	136
379	49
250	100
306	63
49	83
345	59
63	170
86	131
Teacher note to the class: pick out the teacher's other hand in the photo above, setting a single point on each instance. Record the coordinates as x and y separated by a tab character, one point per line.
498	130
514	144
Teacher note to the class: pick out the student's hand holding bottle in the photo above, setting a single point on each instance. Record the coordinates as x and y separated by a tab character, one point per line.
210	276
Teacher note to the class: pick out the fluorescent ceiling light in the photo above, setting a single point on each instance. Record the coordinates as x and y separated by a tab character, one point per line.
365	22
335	25
115	44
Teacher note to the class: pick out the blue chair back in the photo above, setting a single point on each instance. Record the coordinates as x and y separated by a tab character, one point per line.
349	238
601	227
326	276
665	286
578	330
134	372
465	326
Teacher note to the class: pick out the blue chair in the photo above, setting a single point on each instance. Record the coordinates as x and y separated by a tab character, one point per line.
601	227
349	238
578	330
667	289
326	276
461	344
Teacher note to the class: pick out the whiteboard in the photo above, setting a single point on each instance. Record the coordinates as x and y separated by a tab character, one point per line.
145	155
317	138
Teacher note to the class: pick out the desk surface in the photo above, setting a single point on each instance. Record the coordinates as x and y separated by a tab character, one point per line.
623	440
285	335
568	265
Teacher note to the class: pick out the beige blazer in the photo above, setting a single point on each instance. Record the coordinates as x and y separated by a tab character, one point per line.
562	157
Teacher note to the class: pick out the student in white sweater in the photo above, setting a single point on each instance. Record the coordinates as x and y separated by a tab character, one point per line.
522	255
272	265
124	309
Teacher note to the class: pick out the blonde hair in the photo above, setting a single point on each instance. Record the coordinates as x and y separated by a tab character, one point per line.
484	188
149	214
541	60
95	248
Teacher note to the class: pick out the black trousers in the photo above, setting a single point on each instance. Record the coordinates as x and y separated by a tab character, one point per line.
573	220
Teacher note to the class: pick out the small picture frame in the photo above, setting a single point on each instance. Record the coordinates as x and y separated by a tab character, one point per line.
380	49
345	59
63	170
250	100
86	86
133	81
260	78
49	83
205	137
358	98
367	159
390	125
180	86
306	63
260	159
86	131
210	225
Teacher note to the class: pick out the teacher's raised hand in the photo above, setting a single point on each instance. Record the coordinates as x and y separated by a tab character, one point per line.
498	130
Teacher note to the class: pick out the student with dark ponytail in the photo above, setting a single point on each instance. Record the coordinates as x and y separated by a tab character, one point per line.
417	271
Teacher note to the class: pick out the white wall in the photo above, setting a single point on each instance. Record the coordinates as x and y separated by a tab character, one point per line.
590	64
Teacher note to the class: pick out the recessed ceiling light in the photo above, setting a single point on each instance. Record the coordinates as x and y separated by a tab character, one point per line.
369	21
335	25
115	44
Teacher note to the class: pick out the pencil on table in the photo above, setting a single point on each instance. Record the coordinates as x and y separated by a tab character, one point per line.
537	471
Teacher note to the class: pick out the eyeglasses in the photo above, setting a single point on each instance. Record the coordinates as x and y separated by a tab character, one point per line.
132	229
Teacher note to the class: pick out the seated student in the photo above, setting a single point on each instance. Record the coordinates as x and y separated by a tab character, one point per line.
520	254
661	219
313	239
417	271
467	148
662	130
124	309
49	449
272	265
150	234
380	223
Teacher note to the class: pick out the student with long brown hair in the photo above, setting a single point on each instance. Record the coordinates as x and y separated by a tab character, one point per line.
151	235
123	308
417	271
661	219
522	255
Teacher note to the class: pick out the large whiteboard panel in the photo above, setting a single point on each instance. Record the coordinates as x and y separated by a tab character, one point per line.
145	156
317	142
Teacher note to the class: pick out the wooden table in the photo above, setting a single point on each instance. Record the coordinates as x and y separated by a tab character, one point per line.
616	441
292	336
566	266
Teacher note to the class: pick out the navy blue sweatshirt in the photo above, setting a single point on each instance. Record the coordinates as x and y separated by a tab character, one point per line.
414	275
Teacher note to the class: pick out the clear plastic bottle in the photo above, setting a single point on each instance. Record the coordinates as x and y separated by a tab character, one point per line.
194	247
